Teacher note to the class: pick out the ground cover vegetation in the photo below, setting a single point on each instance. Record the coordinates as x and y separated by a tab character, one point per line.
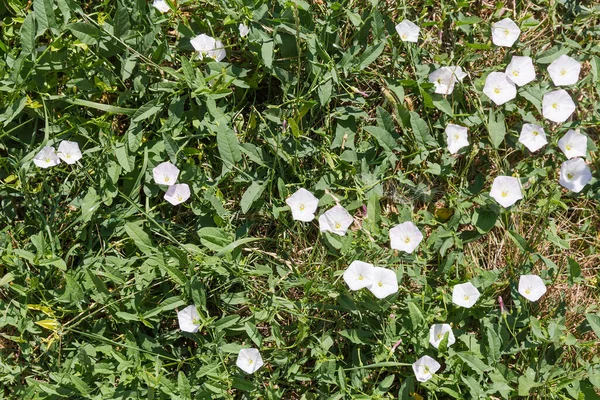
299	200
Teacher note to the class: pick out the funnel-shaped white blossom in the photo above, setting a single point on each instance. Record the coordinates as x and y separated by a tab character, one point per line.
189	319
244	30
573	144
165	173
359	275
533	137
437	333
456	137
46	158
425	367
520	70
336	220
506	190
465	295
557	106
384	283
574	174
408	31
444	78
178	193
303	205
69	152
249	360
405	236
207	46
505	32
564	70
499	88
161	5
531	287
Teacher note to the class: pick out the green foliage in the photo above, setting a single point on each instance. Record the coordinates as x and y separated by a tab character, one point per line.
94	264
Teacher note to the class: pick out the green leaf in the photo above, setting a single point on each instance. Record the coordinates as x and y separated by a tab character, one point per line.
121	22
185	390
421	131
357	336
89	205
7	278
98	106
214	238
266	52
496	128
371	54
146	111
574	271
229	147
594	321
44	15
85	32
251	195
232	246
28	34
384	138
527	382
73	290
140	238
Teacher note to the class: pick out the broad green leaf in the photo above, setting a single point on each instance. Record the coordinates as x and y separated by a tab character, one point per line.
185	390
44	15
371	54
594	321
266	52
146	111
496	128
421	131
229	147
140	237
28	34
384	138
89	205
214	238
121	22
85	32
251	195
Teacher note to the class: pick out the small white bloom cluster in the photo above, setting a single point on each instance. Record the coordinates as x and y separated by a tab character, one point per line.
166	174
67	151
382	282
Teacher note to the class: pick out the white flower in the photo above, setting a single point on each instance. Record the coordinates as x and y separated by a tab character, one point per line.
189	319
506	190
178	193
69	152
425	367
207	46
47	157
405	236
161	5
336	220
244	30
445	78
505	33
531	287
437	333
520	70
408	31
457	138
165	173
303	205
573	144
249	360
499	88
574	174
557	106
564	70
465	295
384	283
533	137
359	275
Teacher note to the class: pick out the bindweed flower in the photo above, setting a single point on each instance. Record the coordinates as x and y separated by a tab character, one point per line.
573	144
465	295
437	333
189	319
303	205
520	70
425	367
505	32
557	106
384	283
506	190
564	70
69	152
499	88
165	173
359	275
405	236
444	78
178	193
244	30
249	360
456	137
531	287
408	31
574	174
533	137
336	220
161	5
46	158
207	46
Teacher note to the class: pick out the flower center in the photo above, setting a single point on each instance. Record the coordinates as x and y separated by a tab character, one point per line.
167	179
515	73
528	291
439	336
466	297
439	81
407	240
426	370
563	72
569	175
456	137
555	106
535	133
179	198
504	193
301	207
338	225
497	90
360	278
68	155
568	146
404	36
47	159
380	284
506	32
250	362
